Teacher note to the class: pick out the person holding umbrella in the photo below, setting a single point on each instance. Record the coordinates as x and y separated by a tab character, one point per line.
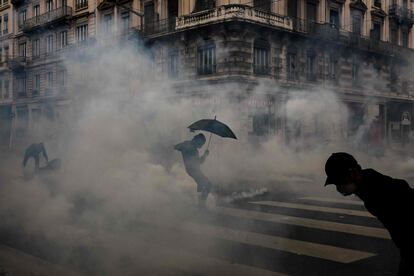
192	162
191	158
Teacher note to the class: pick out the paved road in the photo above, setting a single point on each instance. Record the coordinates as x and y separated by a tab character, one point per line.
302	236
267	235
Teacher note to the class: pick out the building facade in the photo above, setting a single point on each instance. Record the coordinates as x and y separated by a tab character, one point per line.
6	92
361	50
358	49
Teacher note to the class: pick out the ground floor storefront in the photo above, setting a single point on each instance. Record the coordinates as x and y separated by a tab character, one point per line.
5	124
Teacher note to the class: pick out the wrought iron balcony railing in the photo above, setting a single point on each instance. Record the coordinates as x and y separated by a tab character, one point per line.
261	69
48	17
160	26
17	63
326	30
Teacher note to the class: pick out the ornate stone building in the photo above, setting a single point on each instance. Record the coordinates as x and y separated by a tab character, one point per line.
6	96
44	34
359	49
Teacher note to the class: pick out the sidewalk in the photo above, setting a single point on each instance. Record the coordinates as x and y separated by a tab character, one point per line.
16	263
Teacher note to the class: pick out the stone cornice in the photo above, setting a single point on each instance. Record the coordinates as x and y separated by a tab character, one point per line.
376	12
358	5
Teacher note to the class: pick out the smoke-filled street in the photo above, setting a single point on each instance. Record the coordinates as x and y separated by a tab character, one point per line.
269	234
217	137
121	186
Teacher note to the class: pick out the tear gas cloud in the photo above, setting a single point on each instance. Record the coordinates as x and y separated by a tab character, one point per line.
120	172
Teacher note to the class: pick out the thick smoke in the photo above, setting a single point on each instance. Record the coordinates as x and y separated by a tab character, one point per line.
120	173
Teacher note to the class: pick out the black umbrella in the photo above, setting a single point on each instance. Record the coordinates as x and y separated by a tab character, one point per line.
213	126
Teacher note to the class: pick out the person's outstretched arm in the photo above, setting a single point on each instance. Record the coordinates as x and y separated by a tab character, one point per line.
204	156
181	146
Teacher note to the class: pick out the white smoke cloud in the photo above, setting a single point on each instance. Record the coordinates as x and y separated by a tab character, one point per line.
119	167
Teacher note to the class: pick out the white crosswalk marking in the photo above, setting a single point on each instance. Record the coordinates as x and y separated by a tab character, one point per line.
335	200
314	208
305	222
327	252
202	265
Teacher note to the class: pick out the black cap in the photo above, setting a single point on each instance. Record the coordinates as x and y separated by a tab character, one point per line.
338	165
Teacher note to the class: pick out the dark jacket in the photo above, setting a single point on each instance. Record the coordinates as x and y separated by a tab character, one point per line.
392	202
192	160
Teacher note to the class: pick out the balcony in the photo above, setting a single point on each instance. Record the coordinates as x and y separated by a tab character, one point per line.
17	3
366	43
160	26
382	46
53	16
261	70
326	31
401	14
233	12
17	63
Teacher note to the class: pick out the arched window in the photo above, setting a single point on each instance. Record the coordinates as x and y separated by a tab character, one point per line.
261	55
206	58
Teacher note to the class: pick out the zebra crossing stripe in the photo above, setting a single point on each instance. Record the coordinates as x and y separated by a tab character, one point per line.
203	265
334	200
314	208
326	252
305	222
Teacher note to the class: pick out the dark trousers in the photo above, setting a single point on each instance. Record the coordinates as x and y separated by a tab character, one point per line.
36	158
203	184
406	262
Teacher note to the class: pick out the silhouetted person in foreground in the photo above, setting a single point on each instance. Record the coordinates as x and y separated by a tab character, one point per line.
390	200
192	162
34	151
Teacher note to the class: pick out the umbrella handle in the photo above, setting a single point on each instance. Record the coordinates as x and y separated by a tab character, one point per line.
209	140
